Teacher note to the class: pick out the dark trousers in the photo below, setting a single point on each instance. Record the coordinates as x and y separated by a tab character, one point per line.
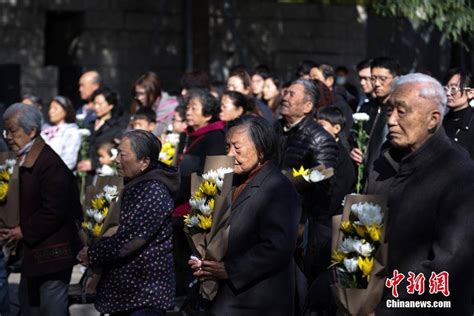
45	295
141	312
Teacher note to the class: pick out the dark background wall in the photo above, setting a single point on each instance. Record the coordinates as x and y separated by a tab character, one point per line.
46	44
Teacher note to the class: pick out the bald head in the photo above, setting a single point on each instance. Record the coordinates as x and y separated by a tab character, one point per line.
88	83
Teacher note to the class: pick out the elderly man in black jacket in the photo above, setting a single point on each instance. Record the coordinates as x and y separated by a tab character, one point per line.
306	143
429	183
49	207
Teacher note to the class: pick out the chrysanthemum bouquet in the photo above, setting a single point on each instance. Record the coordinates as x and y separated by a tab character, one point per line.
9	190
6	171
168	150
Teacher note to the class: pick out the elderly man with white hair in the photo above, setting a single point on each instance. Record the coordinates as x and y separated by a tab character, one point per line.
429	184
49	209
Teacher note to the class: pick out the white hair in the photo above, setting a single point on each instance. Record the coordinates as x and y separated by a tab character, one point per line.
430	88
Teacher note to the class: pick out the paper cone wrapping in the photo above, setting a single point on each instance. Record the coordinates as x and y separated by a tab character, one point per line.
301	184
363	301
10	210
213	245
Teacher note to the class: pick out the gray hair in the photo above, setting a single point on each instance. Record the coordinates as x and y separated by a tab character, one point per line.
310	91
430	88
29	117
145	145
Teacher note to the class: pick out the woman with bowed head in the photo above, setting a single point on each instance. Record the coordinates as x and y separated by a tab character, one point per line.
257	274
63	135
108	125
233	105
137	262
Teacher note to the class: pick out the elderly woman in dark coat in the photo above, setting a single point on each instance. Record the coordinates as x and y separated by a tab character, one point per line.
137	262
257	274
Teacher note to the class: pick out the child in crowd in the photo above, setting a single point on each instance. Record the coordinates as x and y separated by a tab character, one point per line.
144	119
173	143
107	153
333	121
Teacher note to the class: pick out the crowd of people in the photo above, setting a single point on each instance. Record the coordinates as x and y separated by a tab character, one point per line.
419	156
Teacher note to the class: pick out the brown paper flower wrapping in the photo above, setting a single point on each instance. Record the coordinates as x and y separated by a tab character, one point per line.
354	301
213	244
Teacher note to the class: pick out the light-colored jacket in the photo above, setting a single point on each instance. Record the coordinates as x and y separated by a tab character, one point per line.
65	141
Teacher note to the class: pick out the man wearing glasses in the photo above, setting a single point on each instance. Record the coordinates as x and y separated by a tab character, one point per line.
459	122
383	71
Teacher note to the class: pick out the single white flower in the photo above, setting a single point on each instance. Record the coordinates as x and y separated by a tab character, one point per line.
361	117
106	170
349	245
114	153
219	183
163	156
211	176
172	138
111	192
197	204
193	221
365	249
314	176
368	213
80	117
350	264
221	172
91	212
84	132
98	217
205	209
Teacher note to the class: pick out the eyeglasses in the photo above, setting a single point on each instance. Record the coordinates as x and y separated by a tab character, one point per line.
453	89
382	79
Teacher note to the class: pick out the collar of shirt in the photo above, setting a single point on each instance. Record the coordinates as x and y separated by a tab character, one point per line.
287	127
24	151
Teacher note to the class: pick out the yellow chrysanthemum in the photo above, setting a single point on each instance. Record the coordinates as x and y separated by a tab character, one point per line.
4	175
375	232
198	195
105	211
360	230
97	229
205	222
337	256
85	225
98	203
186	219
3	191
211	203
301	172
208	188
366	264
346	227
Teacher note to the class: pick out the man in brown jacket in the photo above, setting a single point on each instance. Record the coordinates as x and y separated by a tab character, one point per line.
49	210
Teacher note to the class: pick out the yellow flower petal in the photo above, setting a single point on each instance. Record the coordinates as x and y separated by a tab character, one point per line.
375	232
301	172
3	191
365	265
205	222
360	230
211	203
346	227
4	175
98	203
337	257
97	229
208	188
198	195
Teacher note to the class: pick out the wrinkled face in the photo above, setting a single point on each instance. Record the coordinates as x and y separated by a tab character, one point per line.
294	106
364	80
457	99
270	90
411	119
128	166
179	123
16	137
381	79
101	106
194	116
241	146
86	87
229	111
257	84
143	125
234	83
104	157
140	95
56	113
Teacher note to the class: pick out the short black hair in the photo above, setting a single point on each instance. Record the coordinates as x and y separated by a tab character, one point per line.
304	68
465	77
262	70
240	101
145	113
112	97
210	105
262	134
181	110
333	115
363	64
389	63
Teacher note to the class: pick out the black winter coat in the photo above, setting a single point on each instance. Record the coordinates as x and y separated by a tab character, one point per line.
430	219
459	127
262	240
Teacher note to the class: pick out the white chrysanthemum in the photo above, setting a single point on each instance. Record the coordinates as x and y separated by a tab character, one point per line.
219	183
349	245
114	153
368	213
211	176
91	212
164	156
197	204
221	172
84	132
361	117
205	210
314	176
80	117
106	170
172	138
365	249
350	264
98	217
110	192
